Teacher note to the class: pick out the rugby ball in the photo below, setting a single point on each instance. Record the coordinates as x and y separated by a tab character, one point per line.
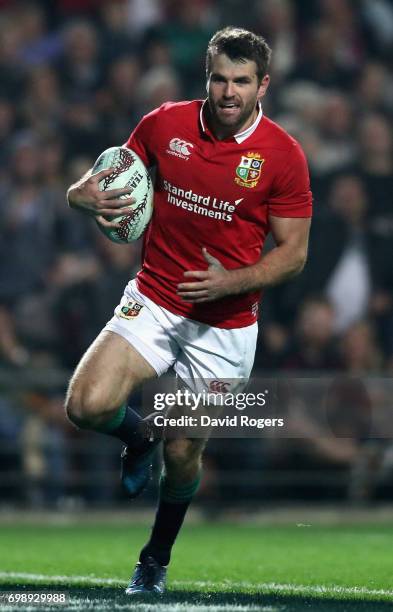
129	171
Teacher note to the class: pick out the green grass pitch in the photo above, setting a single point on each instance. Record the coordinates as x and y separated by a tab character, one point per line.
215	567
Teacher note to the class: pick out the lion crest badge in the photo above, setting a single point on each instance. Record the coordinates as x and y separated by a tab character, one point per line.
249	170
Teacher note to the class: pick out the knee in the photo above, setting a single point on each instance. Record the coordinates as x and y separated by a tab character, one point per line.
178	453
87	407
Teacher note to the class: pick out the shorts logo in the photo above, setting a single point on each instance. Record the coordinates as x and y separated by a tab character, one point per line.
249	170
180	148
130	310
219	386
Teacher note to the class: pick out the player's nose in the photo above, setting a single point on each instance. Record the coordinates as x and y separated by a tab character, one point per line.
229	90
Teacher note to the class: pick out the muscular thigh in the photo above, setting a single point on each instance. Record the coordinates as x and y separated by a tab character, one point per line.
110	370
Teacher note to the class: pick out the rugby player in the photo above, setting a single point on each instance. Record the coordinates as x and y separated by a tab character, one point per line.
226	176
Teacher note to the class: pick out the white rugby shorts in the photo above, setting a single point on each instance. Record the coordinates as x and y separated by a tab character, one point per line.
196	351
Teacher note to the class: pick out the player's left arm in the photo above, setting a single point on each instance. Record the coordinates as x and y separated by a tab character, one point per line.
281	263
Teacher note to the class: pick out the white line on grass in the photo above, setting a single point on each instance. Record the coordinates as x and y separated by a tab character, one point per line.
91	580
105	605
174	607
111	606
226	585
294	588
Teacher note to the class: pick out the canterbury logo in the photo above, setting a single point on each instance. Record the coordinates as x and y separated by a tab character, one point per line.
179	147
219	386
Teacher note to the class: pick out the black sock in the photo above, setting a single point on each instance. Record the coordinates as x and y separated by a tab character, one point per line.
172	507
127	426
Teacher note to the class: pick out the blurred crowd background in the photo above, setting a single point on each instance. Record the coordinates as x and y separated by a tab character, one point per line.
76	76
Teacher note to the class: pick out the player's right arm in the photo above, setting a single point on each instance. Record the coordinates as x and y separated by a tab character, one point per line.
86	196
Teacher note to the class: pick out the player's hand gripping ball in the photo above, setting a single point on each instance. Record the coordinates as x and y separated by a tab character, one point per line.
129	171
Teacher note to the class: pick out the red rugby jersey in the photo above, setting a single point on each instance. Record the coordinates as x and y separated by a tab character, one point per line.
214	194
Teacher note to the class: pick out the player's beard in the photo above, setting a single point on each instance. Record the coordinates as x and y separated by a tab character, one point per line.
232	122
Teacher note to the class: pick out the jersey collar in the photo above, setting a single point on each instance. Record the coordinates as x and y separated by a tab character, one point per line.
241	136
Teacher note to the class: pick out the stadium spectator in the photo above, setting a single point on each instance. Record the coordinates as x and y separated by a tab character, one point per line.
156	86
313	346
12	69
43	440
378	20
374	91
375	166
80	64
321	63
276	20
43	107
86	303
186	32
348	283
38	44
359	349
336	128
338	267
144	14
343	17
52	161
117	39
83	131
8	122
118	99
36	233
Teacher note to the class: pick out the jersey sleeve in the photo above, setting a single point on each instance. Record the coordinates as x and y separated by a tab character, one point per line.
142	137
291	195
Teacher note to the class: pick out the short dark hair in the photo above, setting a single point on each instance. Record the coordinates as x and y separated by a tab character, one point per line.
239	45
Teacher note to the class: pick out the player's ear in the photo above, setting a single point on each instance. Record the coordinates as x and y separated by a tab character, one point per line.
264	84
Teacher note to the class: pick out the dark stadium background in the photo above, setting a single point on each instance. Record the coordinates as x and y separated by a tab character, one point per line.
76	76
